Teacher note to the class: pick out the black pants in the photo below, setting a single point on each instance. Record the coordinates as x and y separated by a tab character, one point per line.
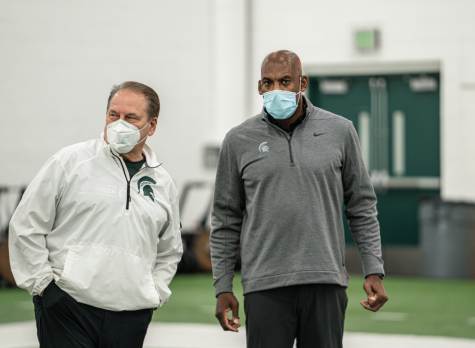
62	322
314	314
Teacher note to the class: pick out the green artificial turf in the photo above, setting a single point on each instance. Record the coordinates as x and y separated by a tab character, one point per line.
15	305
416	306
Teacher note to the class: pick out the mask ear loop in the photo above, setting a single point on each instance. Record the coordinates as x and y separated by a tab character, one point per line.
146	136
144	126
142	139
300	90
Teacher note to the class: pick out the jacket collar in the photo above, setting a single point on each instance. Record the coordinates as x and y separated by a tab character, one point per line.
150	157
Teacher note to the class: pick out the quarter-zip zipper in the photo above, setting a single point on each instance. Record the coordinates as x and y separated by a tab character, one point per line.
129	198
126	179
289	138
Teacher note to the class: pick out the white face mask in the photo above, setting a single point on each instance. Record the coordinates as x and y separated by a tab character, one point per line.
123	136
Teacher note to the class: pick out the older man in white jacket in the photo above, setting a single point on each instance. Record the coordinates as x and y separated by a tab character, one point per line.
96	236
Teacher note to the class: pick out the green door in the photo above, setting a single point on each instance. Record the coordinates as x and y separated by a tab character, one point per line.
397	120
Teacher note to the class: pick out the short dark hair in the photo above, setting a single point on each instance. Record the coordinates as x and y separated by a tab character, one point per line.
153	102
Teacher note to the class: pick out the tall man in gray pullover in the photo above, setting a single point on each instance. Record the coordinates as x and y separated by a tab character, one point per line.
282	178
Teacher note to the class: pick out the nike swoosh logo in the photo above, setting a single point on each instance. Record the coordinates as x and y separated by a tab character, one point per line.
317	134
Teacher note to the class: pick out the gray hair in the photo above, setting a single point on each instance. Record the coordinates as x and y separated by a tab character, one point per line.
153	102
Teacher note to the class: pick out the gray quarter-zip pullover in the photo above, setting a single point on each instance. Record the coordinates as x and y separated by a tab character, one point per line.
279	197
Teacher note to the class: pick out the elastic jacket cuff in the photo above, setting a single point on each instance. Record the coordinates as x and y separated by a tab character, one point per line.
378	274
41	284
372	265
163	290
224	284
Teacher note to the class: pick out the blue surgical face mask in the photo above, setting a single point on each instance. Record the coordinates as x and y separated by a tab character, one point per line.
281	104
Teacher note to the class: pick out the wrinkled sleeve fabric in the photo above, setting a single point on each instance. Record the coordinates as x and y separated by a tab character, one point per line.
32	221
227	217
360	201
169	252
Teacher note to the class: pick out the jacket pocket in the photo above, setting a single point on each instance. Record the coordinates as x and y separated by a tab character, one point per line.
108	277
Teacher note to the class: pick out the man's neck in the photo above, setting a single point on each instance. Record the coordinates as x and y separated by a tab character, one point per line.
133	156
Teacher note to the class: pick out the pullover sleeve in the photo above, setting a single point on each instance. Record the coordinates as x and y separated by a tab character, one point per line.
169	252
360	202
227	216
32	221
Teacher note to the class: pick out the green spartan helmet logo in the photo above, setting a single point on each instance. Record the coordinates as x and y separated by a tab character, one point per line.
144	185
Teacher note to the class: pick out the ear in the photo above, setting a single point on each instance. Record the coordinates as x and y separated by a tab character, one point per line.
153	126
304	83
259	87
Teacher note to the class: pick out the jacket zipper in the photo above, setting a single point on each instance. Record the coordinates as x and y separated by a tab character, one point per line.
289	139
128	195
129	199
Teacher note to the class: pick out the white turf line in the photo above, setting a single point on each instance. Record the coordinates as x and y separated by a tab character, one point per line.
164	335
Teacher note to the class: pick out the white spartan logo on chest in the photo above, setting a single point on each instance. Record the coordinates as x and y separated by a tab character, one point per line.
263	147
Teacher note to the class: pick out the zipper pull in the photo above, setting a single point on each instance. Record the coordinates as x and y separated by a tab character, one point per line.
129	198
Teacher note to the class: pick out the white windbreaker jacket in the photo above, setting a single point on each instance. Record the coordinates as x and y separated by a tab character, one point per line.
107	240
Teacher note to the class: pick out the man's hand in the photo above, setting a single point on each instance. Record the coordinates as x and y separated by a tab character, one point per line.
227	302
42	293
373	286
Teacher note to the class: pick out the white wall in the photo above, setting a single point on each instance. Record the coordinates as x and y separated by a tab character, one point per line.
60	59
320	32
